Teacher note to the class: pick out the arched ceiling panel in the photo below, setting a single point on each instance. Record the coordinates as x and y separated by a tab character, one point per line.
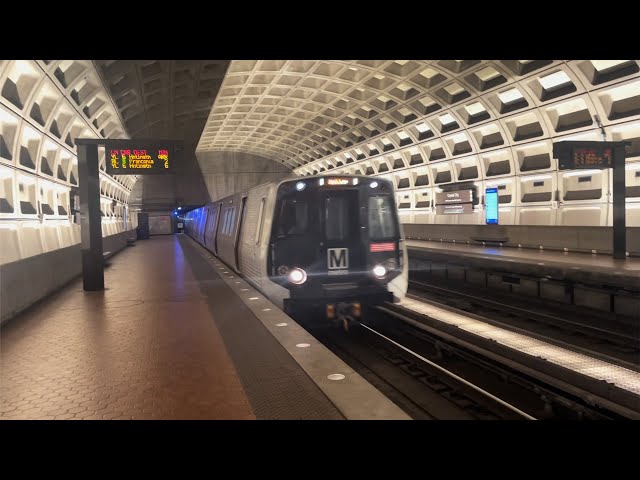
317	115
164	98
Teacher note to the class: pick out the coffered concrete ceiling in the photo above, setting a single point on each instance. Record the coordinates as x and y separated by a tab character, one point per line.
313	116
164	98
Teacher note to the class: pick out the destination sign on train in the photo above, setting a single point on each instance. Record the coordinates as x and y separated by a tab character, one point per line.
337	181
139	159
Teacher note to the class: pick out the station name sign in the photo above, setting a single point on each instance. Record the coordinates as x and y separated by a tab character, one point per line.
454	209
139	158
459	196
454	203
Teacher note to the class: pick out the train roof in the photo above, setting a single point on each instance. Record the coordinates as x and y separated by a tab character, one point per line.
331	175
277	183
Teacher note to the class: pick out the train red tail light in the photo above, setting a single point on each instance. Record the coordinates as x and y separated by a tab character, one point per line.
382	247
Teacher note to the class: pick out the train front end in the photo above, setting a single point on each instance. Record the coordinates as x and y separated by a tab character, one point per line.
336	245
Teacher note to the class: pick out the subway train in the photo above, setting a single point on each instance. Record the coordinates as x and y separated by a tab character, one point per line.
331	245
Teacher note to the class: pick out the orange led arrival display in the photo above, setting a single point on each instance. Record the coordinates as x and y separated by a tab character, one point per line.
592	157
337	181
144	159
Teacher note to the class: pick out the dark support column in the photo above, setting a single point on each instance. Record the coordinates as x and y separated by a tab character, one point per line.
90	217
619	200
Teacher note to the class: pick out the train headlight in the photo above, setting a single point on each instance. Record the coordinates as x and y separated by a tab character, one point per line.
379	271
373	184
300	186
297	276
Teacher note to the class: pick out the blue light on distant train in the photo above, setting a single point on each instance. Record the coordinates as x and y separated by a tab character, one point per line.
179	208
300	186
373	184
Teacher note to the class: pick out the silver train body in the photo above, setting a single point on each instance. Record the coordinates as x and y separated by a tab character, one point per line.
310	242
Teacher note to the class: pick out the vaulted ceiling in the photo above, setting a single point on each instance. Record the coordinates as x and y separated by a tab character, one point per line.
317	115
163	98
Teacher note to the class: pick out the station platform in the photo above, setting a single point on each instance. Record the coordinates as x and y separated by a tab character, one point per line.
174	335
593	280
581	267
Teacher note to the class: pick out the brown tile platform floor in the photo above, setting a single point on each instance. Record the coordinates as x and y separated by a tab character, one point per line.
147	347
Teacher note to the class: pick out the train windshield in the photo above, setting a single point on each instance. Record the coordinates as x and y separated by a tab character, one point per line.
293	218
382	220
340	215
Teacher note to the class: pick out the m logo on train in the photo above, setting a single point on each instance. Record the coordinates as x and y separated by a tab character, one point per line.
338	258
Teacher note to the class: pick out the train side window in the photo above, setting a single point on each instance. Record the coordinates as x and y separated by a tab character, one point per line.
381	218
259	225
293	219
229	221
223	228
227	216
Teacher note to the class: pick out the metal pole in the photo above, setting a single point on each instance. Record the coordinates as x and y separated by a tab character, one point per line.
619	214
90	217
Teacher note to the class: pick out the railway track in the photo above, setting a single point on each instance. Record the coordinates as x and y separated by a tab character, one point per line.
432	377
421	387
547	391
430	374
591	335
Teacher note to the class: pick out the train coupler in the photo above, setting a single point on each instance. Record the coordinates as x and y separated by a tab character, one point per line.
344	313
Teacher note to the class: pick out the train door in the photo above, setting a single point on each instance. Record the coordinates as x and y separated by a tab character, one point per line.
209	228
342	249
216	228
201	224
206	228
241	219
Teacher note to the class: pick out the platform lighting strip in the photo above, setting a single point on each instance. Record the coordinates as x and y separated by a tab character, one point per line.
598	369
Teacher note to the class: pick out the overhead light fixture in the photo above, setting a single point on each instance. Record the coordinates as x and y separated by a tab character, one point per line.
554	80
